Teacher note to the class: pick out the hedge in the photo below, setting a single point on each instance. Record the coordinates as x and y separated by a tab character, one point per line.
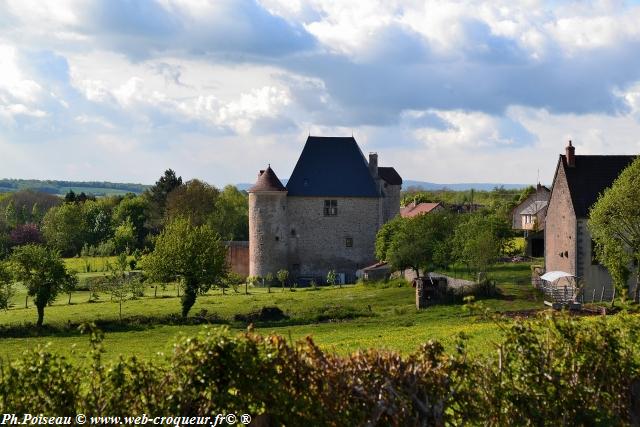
555	370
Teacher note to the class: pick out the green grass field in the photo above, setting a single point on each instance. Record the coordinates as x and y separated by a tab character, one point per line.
340	319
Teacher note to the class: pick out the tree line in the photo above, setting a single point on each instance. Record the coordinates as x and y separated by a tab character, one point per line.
80	224
436	240
175	229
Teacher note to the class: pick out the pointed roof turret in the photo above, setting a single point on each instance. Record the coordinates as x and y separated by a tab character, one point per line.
267	181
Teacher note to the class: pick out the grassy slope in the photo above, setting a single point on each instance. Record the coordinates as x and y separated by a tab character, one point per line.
391	321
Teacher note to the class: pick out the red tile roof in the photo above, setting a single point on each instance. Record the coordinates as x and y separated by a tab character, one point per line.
413	209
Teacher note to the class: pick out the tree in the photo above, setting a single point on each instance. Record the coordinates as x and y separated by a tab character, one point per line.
118	281
231	218
156	197
269	279
332	278
70	197
10	213
124	237
133	209
476	243
64	228
232	280
282	275
163	186
7	291
193	253
23	234
42	272
251	280
422	242
97	216
385	236
195	200
614	223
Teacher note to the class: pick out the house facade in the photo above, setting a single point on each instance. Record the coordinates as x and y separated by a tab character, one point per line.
327	216
529	216
578	181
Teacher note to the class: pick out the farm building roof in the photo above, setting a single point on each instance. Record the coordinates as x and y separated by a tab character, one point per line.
414	209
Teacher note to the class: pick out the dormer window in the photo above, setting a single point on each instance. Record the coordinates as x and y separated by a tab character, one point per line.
330	207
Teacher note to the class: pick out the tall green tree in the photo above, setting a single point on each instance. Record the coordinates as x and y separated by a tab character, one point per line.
118	281
7	291
65	229
194	253
422	242
195	200
614	223
42	272
134	209
231	218
156	197
385	236
477	243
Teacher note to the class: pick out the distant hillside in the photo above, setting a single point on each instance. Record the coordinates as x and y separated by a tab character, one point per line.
481	186
97	188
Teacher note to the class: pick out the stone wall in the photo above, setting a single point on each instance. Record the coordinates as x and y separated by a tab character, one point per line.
267	232
391	202
561	228
238	257
318	243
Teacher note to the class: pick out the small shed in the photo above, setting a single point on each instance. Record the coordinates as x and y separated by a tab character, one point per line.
560	289
377	271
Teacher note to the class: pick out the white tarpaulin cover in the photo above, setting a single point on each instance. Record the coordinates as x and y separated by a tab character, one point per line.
552	276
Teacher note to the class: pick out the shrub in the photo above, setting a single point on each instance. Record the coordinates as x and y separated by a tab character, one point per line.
551	371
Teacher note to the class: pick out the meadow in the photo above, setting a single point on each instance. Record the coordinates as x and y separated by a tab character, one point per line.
380	315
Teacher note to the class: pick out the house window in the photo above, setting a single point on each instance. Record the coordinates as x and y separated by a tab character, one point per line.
330	207
348	242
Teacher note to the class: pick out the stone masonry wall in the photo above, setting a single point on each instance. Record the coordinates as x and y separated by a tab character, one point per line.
560	229
317	243
238	257
267	232
391	202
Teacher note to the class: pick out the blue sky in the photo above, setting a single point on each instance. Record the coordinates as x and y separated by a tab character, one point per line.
444	91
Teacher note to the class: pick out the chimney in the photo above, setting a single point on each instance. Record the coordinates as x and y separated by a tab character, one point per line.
571	155
373	164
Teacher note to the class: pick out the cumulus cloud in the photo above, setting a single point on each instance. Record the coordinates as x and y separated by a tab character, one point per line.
416	78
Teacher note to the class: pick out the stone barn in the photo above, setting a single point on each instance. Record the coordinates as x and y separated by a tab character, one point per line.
327	216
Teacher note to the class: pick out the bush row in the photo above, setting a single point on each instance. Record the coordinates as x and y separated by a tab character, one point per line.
551	371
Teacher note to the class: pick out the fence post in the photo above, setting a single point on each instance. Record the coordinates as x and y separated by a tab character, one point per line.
602	293
593	297
614	294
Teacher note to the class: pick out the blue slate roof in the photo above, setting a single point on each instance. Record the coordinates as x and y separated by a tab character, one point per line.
331	166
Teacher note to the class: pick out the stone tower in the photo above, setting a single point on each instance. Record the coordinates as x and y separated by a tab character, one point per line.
267	225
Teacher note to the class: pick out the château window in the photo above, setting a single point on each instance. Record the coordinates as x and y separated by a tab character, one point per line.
348	242
330	207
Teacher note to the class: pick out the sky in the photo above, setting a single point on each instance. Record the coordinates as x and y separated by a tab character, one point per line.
448	92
